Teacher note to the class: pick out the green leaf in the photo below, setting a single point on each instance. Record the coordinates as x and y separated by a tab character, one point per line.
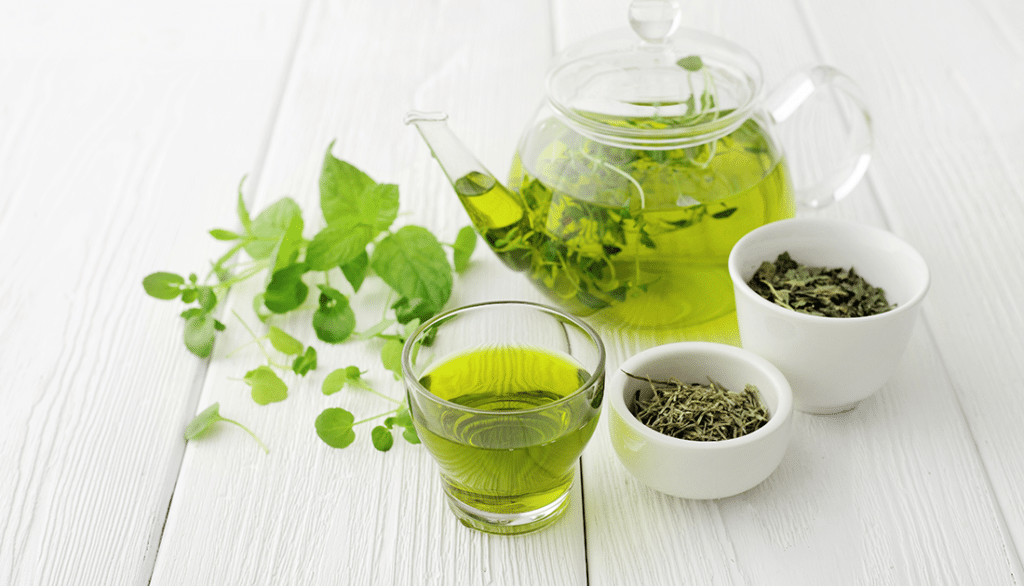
287	248
199	333
379	207
724	213
337	244
283	342
692	63
334	426
243	213
337	379
163	285
305	363
355	270
270	226
412	262
382	438
410	310
207	298
202	422
391	357
224	234
334	320
341	186
267	387
465	243
409	433
286	290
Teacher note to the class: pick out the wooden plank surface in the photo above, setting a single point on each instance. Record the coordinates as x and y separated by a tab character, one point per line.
125	130
123	134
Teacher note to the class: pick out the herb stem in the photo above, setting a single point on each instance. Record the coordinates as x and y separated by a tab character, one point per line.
249	431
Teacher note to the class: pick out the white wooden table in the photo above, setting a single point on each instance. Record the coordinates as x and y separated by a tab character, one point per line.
125	128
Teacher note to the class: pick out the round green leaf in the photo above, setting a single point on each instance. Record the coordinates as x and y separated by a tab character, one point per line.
334	321
334	426
382	438
335	381
286	291
163	285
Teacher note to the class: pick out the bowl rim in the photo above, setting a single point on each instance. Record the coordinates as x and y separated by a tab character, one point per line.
740	285
778	417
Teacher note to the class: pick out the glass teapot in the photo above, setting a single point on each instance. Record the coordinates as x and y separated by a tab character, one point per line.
654	152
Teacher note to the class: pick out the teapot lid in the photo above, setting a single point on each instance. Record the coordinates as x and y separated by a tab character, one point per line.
656	86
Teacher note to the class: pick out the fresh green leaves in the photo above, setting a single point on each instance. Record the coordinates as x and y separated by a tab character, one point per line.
357	241
202	423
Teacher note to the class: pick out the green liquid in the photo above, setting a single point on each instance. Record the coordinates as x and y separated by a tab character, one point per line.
513	463
634	237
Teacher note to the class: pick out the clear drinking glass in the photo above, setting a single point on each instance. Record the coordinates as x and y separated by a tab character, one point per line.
505	396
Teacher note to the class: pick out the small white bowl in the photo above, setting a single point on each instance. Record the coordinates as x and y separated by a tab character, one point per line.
692	469
832	363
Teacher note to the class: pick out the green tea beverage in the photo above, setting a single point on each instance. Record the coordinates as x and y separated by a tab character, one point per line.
635	237
505	422
515	463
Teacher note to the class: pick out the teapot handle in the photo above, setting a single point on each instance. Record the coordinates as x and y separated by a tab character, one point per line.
791	94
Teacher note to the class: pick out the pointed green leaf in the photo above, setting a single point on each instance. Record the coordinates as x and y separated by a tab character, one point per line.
270	226
412	262
341	185
336	245
225	235
391	357
355	270
202	422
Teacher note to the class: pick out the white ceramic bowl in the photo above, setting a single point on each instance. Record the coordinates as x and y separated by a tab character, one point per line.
831	363
692	469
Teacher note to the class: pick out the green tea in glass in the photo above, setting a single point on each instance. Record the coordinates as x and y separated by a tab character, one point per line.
505	396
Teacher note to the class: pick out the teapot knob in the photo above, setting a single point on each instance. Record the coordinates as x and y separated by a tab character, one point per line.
655	20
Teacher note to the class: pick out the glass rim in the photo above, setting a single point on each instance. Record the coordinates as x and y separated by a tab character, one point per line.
414	383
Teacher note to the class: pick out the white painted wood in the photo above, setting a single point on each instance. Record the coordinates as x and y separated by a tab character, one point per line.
124	131
123	134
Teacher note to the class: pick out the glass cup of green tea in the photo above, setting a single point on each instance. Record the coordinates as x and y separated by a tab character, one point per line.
505	396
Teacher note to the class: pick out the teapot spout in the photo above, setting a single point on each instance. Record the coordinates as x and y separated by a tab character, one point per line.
498	214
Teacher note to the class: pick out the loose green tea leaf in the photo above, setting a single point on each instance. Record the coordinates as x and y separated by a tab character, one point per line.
211	415
822	291
698	412
334	426
692	63
267	387
163	285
